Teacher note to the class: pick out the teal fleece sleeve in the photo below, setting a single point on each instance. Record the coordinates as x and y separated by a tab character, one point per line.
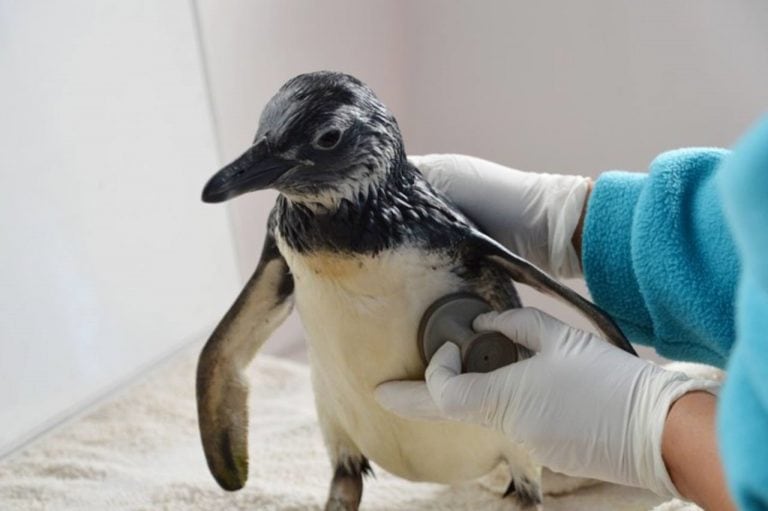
664	253
658	256
743	413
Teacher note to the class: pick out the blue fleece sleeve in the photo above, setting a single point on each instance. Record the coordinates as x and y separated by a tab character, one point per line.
743	413
664	252
658	256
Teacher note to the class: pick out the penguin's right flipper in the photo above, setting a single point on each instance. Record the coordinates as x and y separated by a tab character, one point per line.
222	390
483	247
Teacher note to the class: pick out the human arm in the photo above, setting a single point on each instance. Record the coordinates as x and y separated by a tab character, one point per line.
639	232
689	443
658	256
652	220
578	232
689	440
681	239
743	413
610	430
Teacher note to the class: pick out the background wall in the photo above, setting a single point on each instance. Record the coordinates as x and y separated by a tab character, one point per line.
582	87
115	113
109	260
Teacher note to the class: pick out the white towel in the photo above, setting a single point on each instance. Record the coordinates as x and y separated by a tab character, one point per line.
141	451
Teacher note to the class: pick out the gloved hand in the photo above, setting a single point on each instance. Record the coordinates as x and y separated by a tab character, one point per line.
533	215
580	405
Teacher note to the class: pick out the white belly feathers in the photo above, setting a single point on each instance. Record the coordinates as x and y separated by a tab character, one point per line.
361	314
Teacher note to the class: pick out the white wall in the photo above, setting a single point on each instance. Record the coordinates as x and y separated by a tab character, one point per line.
109	260
582	87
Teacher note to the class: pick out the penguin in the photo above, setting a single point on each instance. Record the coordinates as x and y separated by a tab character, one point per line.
361	244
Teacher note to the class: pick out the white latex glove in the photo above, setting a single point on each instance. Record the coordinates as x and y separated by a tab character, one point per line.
580	405
533	215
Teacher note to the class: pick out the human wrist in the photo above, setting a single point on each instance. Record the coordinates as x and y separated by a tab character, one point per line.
563	201
689	449
577	233
661	390
660	445
676	425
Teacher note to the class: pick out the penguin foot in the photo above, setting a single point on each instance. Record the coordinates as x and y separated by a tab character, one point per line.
347	485
525	493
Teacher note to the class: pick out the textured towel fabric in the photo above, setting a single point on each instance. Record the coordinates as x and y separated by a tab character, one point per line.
663	253
141	451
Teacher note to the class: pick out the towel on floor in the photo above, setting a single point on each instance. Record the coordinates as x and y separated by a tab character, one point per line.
141	451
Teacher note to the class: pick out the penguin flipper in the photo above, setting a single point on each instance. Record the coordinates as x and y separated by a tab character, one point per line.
520	270
222	390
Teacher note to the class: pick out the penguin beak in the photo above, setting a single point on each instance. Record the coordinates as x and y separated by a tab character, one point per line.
256	169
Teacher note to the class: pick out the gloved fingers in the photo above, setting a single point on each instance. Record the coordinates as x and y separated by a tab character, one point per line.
431	166
543	208
466	178
447	394
408	399
458	396
527	326
459	164
445	365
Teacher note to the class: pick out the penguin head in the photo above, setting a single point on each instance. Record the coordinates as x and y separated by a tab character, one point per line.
323	136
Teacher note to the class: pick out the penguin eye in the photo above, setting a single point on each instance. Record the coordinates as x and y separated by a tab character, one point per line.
328	139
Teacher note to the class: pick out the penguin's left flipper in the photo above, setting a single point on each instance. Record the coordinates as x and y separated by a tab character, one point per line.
480	247
222	390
